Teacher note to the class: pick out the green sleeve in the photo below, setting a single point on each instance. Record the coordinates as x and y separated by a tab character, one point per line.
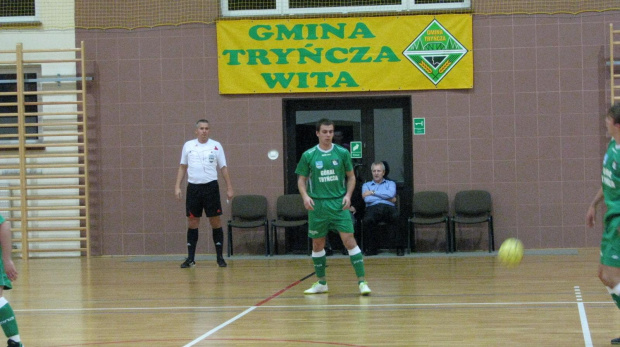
303	168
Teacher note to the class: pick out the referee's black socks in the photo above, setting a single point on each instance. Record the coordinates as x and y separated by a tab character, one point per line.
218	240
192	240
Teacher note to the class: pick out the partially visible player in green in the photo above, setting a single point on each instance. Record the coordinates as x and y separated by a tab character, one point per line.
609	268
326	182
8	273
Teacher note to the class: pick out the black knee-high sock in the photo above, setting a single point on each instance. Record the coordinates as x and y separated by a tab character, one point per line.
192	241
218	240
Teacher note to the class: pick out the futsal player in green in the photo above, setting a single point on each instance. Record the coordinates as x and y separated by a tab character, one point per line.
609	267
326	182
8	273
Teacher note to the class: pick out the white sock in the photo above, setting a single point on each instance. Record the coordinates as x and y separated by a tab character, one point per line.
616	290
318	254
354	251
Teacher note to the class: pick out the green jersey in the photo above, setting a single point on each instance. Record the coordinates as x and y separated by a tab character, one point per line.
611	181
326	171
5	282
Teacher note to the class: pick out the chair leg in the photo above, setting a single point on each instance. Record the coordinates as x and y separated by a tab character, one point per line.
266	239
274	240
491	236
230	245
448	238
413	240
270	240
408	236
453	246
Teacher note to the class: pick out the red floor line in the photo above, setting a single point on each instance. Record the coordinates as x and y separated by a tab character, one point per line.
278	293
283	290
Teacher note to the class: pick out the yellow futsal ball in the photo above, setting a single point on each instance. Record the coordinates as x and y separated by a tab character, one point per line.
510	252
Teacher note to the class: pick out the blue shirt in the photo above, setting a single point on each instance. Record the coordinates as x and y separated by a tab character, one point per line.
384	191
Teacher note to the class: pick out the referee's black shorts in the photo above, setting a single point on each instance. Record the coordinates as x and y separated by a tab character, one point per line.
205	197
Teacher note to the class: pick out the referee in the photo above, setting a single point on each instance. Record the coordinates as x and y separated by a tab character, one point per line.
201	158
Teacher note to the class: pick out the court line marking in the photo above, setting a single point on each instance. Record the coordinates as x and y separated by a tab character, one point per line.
195	308
582	314
214	330
585	328
248	310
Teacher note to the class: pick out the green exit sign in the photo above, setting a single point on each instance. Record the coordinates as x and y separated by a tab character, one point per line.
356	149
419	126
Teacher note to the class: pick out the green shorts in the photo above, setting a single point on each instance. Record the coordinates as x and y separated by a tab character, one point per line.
5	282
328	215
610	244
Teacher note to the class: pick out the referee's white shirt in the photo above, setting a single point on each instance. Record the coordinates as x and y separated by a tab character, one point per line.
202	160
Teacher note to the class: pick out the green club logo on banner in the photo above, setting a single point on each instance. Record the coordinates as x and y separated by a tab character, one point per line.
435	52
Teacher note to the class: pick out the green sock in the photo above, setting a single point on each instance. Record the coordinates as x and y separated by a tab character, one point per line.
616	299
358	264
319	266
7	319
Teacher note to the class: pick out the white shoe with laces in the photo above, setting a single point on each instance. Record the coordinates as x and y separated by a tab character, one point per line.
364	290
317	288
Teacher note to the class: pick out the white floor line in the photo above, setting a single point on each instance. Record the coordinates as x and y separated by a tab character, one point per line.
199	308
585	328
212	331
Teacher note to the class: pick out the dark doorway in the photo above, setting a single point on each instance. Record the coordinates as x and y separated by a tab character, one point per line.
382	124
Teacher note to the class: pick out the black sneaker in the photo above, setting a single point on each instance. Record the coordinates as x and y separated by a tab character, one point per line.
188	263
615	341
12	343
400	252
221	262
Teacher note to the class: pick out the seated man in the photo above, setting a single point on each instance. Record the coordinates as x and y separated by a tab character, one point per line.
380	197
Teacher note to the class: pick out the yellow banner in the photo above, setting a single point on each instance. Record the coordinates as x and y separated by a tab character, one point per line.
345	54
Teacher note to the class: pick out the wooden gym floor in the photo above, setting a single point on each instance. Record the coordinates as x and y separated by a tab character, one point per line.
465	299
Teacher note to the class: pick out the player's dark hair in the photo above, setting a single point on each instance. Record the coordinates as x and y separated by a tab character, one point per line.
614	113
323	121
201	121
